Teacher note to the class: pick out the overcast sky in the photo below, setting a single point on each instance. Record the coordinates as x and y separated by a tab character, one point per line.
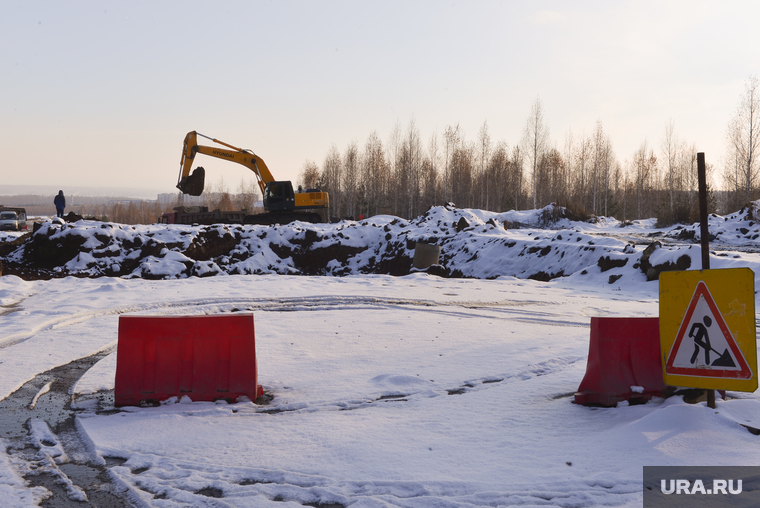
102	93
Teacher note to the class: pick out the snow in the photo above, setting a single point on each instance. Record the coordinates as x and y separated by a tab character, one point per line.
409	391
13	489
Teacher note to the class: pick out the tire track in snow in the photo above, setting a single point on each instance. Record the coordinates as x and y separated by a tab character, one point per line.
512	309
548	367
238	486
10	308
39	424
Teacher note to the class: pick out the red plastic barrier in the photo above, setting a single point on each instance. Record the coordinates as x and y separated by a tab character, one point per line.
623	352
203	357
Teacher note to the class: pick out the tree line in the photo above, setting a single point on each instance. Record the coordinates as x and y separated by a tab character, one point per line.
407	174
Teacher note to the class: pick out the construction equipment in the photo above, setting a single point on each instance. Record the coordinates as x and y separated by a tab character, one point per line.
281	204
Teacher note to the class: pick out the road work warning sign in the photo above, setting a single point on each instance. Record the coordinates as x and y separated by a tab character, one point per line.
707	329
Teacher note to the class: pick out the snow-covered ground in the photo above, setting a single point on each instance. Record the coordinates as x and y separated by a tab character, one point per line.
413	391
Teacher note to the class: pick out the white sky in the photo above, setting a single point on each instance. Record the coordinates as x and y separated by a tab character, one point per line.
102	93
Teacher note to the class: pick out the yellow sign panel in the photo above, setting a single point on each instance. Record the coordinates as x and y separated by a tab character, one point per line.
707	329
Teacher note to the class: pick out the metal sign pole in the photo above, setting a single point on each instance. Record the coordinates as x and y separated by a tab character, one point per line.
704	234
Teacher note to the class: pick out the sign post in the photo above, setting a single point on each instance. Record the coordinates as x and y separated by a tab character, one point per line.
707	321
704	233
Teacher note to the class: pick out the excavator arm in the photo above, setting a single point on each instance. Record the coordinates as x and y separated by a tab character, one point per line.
193	183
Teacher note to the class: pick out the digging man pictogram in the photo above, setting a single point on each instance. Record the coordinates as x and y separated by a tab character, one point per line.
702	340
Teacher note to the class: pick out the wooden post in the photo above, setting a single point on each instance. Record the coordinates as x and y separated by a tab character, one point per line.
704	233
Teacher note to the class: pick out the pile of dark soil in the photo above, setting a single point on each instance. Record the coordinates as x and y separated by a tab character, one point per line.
95	249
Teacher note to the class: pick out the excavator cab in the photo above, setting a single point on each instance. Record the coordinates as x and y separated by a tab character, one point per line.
279	197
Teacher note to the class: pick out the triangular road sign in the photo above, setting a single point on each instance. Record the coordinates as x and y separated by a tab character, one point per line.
704	345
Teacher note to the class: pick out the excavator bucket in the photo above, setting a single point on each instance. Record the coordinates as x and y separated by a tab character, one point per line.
193	184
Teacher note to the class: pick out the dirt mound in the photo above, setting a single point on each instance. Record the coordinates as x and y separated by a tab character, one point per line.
95	249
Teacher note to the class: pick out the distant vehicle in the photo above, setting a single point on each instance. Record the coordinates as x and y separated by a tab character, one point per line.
12	219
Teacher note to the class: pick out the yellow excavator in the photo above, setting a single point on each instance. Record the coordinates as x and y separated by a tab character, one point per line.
281	204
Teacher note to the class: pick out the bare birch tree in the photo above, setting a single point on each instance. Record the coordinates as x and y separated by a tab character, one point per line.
516	177
744	141
331	177
670	161
411	164
309	177
582	159
535	140
451	142
374	174
645	177
602	164
484	152
434	192
498	176
462	167
394	147
351	178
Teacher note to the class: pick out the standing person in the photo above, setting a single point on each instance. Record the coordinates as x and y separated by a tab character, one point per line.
60	203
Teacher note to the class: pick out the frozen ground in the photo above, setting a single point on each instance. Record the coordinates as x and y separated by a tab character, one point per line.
413	391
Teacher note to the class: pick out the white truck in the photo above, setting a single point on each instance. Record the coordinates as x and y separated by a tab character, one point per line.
12	219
